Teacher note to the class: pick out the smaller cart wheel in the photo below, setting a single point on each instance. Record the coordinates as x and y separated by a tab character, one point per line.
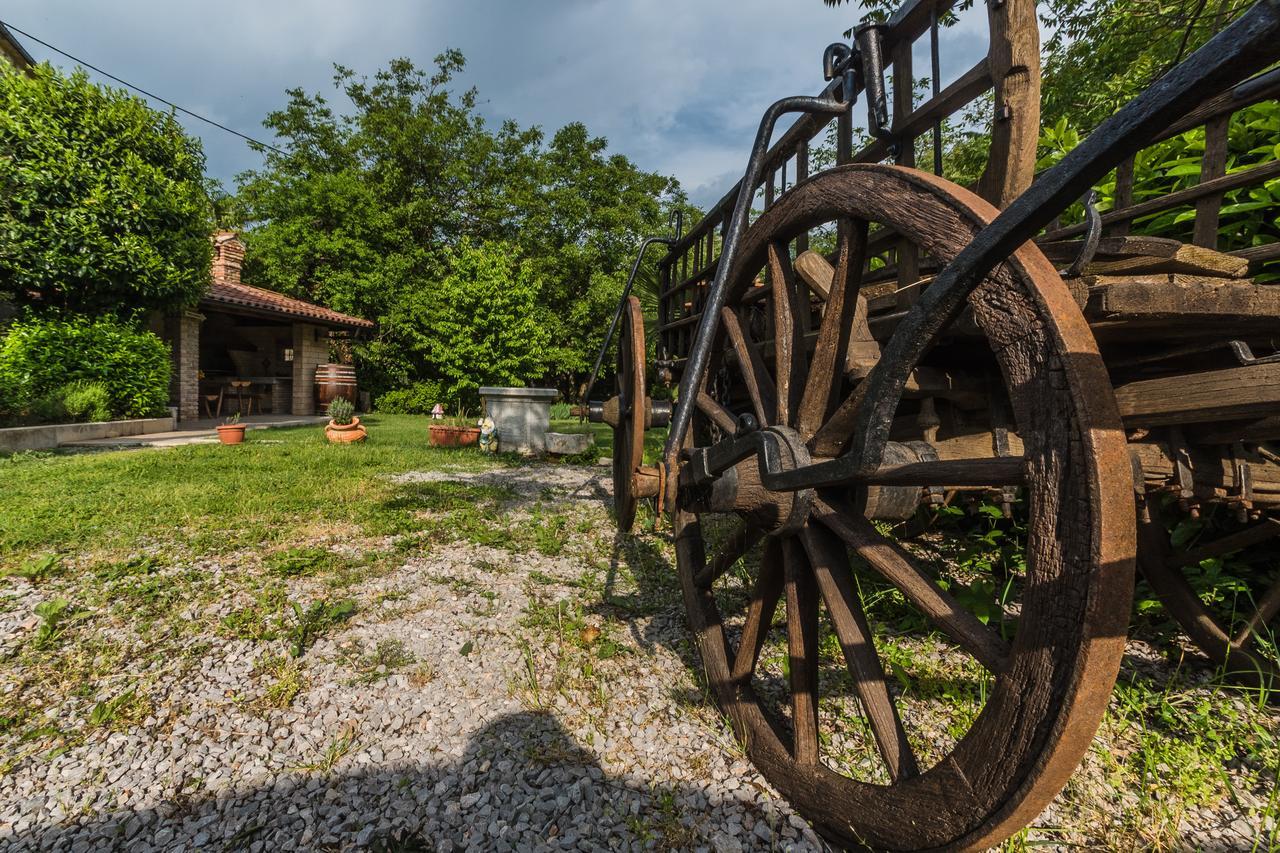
1228	639
628	433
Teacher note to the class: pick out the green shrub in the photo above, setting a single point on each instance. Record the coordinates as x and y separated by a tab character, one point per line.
86	401
40	356
102	200
341	411
417	399
561	411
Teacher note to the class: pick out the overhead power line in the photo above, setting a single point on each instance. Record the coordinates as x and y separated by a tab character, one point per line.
141	90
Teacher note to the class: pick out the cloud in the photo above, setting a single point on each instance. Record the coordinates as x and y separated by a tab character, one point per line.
679	87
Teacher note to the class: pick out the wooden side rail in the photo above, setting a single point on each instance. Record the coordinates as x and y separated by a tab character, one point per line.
1011	68
1205	197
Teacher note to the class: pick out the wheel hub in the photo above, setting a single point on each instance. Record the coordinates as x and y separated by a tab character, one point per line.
740	489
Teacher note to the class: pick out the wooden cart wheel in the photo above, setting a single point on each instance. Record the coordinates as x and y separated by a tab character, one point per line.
1229	640
628	435
925	779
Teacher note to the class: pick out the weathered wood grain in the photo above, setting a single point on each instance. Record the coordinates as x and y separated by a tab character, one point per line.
1213	395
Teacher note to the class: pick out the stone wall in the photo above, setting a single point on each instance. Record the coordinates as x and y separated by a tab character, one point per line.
310	348
183	333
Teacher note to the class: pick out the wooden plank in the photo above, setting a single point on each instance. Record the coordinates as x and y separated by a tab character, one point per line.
1236	392
1264	87
1141	255
863	351
1191	260
1124	196
1179	297
1212	165
1066	251
1258	254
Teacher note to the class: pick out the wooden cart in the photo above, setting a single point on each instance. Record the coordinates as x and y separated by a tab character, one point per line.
1088	374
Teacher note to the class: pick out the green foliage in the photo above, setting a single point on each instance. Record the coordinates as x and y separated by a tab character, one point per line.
87	401
341	411
310	622
53	614
486	325
417	399
388	207
37	569
102	199
1102	53
39	355
1247	217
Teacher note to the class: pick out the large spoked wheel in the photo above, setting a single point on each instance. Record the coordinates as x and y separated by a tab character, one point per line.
874	761
1239	635
628	434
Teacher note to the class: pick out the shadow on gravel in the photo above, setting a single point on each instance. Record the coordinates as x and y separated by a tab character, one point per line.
523	783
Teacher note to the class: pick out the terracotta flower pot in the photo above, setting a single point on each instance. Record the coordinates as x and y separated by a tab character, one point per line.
345	433
231	433
454	436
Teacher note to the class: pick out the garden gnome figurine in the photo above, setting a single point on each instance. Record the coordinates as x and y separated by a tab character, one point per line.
486	434
437	412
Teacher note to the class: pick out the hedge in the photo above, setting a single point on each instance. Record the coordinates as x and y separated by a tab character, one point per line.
41	355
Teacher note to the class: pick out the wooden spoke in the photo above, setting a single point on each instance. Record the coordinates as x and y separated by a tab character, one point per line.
835	582
802	651
826	369
1267	608
788	342
1260	532
1162	567
992	471
754	374
739	543
764	600
830	438
888	558
718	414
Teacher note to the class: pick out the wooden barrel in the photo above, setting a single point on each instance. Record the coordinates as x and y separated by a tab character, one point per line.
333	381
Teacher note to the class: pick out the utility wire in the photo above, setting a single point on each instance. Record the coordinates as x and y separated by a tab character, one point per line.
143	91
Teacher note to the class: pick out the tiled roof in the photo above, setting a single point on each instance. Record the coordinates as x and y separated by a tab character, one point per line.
223	292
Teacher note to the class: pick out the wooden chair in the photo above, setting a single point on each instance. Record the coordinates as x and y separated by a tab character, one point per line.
210	399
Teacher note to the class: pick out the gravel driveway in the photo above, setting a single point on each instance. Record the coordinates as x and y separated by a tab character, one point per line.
479	698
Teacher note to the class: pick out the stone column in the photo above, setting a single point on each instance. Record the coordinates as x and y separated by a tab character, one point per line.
184	382
310	348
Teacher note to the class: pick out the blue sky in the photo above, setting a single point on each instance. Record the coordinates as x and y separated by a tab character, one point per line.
677	86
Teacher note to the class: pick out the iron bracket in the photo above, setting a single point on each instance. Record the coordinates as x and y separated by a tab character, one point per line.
1246	357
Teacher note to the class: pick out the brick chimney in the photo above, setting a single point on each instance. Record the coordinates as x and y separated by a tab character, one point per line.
228	255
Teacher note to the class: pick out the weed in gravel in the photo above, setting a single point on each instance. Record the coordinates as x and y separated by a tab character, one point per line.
373	665
300	562
54	615
261	620
119	712
37	569
312	621
333	752
287	681
422	674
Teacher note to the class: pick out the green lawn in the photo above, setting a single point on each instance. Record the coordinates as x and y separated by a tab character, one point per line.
211	497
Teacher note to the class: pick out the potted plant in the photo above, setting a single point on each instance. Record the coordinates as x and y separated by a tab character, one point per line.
231	431
344	427
457	431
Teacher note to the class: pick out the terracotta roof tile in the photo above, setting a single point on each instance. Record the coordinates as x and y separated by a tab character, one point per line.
223	292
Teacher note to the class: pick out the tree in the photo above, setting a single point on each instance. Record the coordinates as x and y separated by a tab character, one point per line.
482	324
102	202
368	209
